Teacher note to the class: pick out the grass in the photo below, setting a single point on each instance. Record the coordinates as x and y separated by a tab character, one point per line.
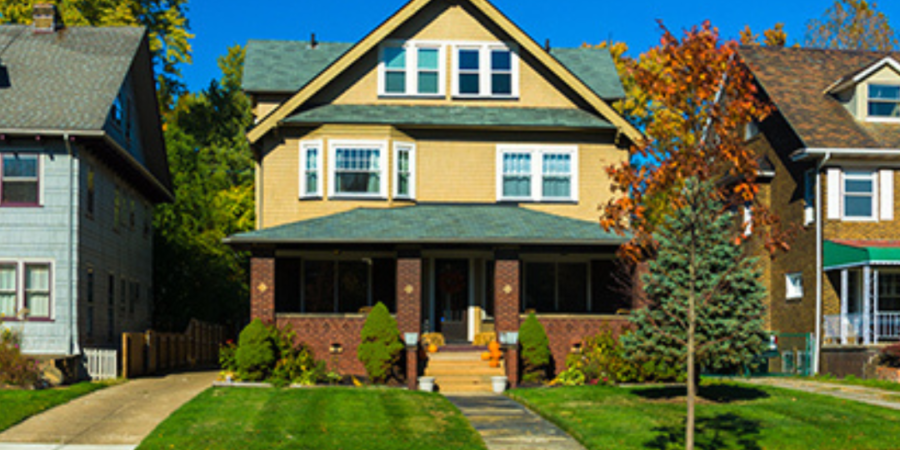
18	405
730	416
323	419
854	381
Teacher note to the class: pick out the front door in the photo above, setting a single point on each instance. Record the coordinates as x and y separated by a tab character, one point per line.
451	292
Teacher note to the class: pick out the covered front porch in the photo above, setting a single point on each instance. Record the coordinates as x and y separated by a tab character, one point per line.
866	275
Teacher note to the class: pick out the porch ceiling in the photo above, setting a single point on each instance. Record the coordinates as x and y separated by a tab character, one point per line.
435	224
845	254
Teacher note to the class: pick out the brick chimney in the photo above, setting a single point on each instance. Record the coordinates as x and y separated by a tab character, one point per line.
44	18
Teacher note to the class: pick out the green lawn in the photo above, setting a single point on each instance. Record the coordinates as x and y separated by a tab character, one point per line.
16	406
322	419
730	416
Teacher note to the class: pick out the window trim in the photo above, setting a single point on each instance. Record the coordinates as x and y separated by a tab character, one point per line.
410	148
335	145
873	177
537	176
40	176
304	189
412	68
485	69
21	293
789	292
871	118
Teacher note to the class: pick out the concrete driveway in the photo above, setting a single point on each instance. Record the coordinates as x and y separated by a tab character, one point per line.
118	417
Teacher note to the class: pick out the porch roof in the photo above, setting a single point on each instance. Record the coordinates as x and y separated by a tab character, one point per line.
845	254
435	224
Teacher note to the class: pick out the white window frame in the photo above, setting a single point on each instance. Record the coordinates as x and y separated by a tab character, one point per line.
318	145
809	196
748	219
40	179
20	291
410	148
873	177
484	68
871	118
412	68
793	290
537	153
382	146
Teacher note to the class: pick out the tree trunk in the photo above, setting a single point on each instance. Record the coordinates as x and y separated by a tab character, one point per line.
691	369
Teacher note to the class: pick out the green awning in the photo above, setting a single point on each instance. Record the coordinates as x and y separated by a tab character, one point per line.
841	256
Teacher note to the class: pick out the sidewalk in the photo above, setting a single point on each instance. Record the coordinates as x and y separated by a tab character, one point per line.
506	425
872	396
115	418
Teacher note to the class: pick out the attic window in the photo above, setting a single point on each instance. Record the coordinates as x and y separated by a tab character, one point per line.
486	70
411	69
884	101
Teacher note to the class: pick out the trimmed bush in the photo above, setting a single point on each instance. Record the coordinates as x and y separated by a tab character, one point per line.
380	347
255	355
535	350
16	369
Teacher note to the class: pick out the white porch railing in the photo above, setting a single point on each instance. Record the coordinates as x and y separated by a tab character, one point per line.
101	364
888	325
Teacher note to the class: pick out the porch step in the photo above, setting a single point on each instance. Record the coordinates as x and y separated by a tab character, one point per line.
462	371
481	370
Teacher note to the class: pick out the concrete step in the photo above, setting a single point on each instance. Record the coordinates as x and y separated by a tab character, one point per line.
439	371
455	356
464	388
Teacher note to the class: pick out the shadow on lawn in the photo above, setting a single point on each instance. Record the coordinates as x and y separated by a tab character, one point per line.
717	393
722	431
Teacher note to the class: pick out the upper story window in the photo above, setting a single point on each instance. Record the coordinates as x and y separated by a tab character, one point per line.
310	169
486	70
529	173
859	194
358	169
884	101
19	180
411	69
404	170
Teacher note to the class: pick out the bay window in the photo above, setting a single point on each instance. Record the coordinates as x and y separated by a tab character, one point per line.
19	179
357	169
537	173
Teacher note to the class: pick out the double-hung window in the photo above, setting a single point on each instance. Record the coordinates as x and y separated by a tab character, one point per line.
541	173
411	69
37	290
310	169
25	288
357	169
859	194
19	179
8	276
404	170
884	101
485	70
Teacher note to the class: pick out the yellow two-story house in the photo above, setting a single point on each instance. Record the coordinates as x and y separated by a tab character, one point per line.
446	165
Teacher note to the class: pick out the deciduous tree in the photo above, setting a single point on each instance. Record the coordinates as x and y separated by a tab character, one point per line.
852	25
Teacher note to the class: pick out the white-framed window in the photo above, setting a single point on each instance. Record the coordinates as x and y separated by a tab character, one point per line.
310	169
793	285
357	169
412	68
537	173
485	70
748	219
404	170
809	196
884	101
25	286
859	195
20	179
8	292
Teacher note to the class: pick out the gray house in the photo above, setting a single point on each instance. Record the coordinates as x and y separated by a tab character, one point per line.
82	163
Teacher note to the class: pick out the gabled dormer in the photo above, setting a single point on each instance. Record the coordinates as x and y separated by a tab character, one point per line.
871	94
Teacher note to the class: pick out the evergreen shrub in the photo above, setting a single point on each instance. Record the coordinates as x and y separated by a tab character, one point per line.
535	350
380	348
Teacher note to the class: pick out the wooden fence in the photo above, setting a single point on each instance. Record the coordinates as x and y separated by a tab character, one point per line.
154	352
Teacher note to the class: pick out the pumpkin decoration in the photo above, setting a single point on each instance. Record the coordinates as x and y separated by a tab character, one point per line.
494	346
496	355
485	356
432	348
494	363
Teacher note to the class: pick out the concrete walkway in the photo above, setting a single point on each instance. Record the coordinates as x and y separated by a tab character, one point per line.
506	425
115	418
872	396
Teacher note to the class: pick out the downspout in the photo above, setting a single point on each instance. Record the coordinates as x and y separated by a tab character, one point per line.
819	275
73	210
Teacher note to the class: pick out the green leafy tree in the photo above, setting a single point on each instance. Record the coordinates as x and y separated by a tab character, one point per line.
706	298
535	350
852	25
165	19
380	347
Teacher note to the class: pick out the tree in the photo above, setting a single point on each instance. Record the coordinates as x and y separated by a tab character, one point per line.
852	25
705	294
535	350
165	20
699	98
773	37
380	347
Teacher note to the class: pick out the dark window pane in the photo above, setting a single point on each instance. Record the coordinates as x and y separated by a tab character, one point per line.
428	82
357	183
395	82
20	192
468	83
287	285
607	293
353	286
884	109
489	288
501	84
884	92
858	186
19	166
858	207
384	283
395	58
501	60
468	59
572	287
540	287
318	289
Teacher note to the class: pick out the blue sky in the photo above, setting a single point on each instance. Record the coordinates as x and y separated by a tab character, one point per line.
219	24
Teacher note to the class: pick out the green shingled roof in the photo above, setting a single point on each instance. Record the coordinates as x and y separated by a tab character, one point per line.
449	116
436	224
287	66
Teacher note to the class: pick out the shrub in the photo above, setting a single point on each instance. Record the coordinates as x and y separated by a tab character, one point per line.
16	369
265	352
227	357
298	365
535	350
890	356
255	355
602	359
380	347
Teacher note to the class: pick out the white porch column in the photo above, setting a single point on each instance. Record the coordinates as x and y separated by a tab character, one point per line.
867	304
845	278
875	304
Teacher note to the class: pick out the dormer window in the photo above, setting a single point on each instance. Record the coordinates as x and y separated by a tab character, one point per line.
411	69
884	101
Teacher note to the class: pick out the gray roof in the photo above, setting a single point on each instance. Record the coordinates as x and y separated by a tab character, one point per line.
65	80
436	224
449	116
287	66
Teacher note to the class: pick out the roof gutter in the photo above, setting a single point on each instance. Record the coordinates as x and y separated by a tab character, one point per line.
805	153
48	132
252	241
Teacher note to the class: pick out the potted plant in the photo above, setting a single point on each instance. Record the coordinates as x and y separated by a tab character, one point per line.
426	384
499	384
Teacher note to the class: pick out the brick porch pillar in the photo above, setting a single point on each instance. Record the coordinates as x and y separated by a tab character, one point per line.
512	365
262	286
409	308
506	308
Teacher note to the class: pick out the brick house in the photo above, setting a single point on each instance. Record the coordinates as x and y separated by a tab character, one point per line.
82	163
832	148
446	165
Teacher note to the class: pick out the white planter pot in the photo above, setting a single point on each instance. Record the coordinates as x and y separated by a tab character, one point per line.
426	384
499	384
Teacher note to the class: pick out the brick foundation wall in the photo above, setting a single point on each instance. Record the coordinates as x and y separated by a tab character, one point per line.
262	287
321	332
842	362
563	332
506	295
